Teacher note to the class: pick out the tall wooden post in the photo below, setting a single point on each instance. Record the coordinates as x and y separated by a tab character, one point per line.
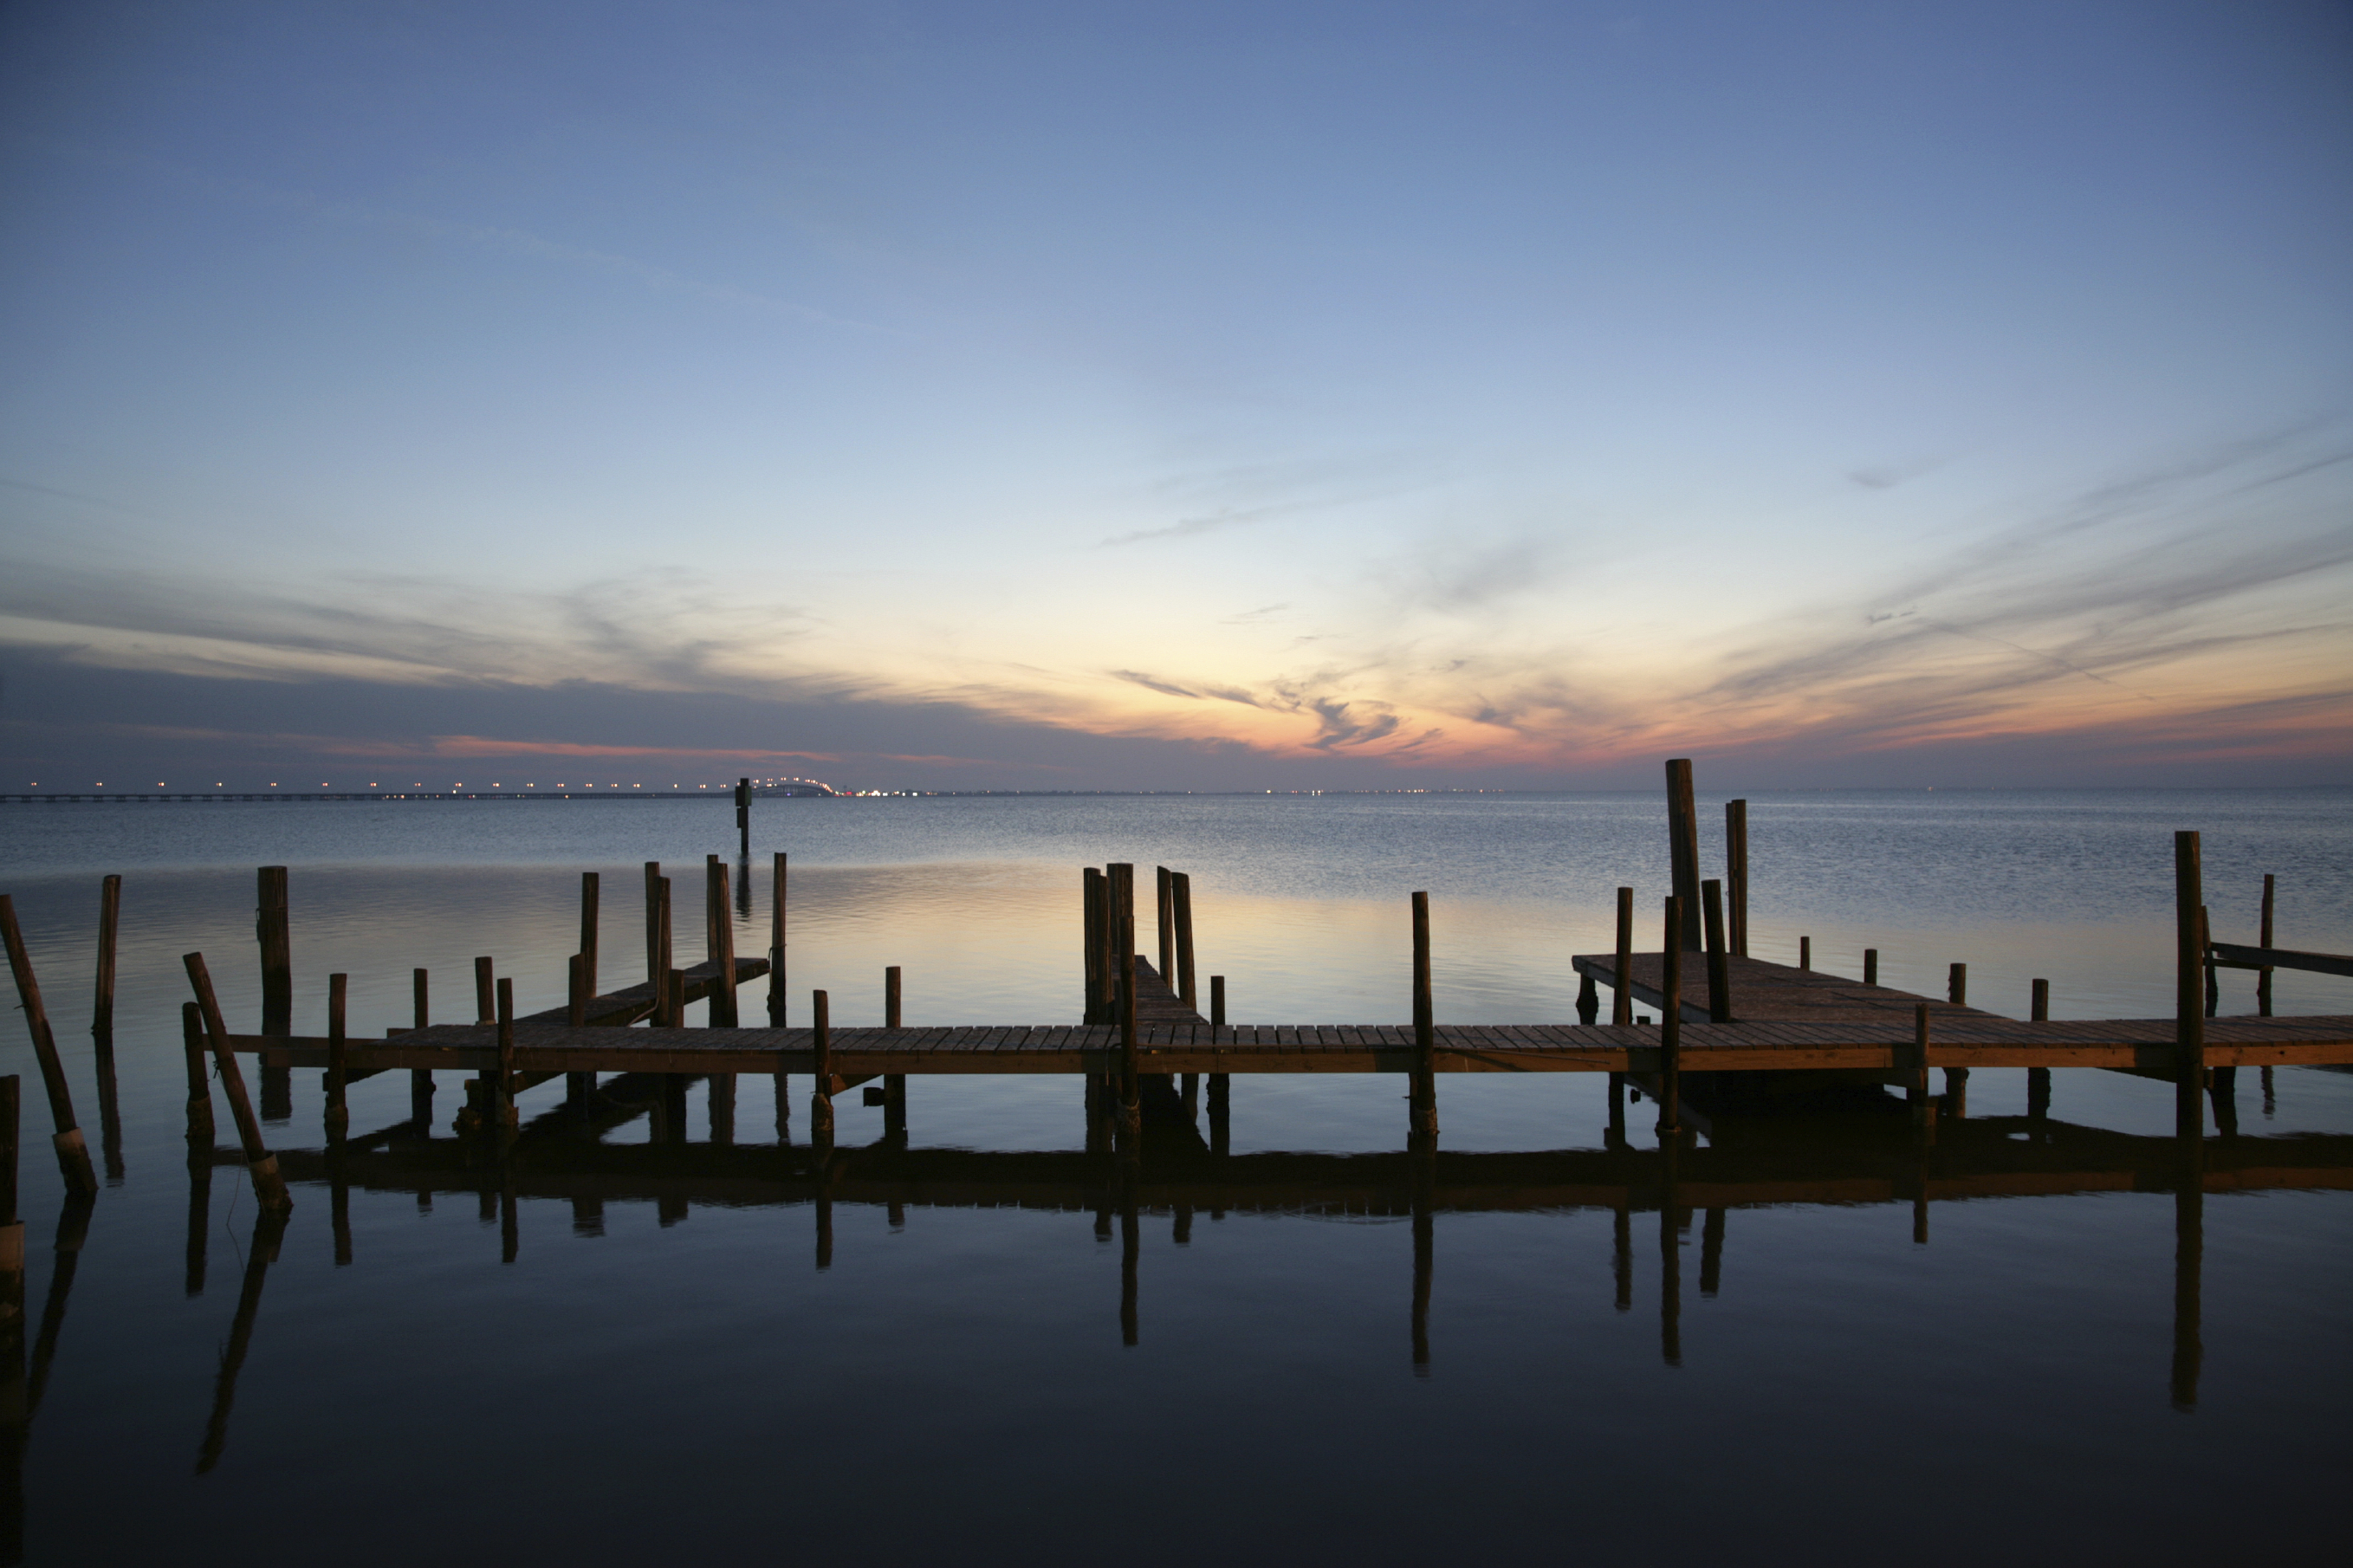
655	966
1670	1023
102	1012
2189	991
894	1084
1956	1079
1220	1084
1735	874
672	1006
1621	985
486	991
1164	892
1131	1110
1871	967
776	955
1719	964
420	1079
1180	884
73	1153
2038	1079
272	928
2263	975
723	1014
744	817
1422	1110
269	1186
200	1093
1683	850
2206	946
1091	896
589	881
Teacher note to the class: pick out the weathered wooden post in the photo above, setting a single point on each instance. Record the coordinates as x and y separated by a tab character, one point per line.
1220	1103
2189	1000
1422	1117
655	966
486	991
669	1002
269	1187
1719	964
1670	1024
1091	896
1735	874
1871	967
1164	892
2206	946
2221	1082
73	1152
503	1102
1682	848
777	944
1180	884
723	1014
894	1084
2038	1079
1806	953
1131	1110
580	988
1923	1107
1956	985
339	1114
200	1094
1956	1079
420	1079
589	895
1621	984
272	928
2263	975
102	1011
821	1095
743	816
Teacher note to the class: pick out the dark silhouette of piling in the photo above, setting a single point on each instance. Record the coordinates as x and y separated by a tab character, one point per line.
269	1186
1422	1112
1735	874
1621	987
1682	848
894	1085
2189	1000
1670	1024
1719	966
73	1152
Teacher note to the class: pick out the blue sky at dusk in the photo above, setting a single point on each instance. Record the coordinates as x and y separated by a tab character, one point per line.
1188	396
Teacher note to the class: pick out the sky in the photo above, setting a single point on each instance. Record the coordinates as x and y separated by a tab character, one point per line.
1176	396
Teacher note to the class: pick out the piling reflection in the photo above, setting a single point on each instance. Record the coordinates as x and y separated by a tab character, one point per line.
269	1233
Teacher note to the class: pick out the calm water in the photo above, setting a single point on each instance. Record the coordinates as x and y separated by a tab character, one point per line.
610	1349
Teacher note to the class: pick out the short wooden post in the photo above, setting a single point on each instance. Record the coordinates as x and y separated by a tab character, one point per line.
2189	1000
486	991
655	966
339	1114
589	896
1683	845
744	817
580	1088
1806	953
200	1093
2263	975
894	1084
1871	967
2038	1079
1621	973
73	1153
1956	1079
821	1096
1719	964
420	1079
1180	884
1421	1122
269	1187
1091	935
503	1101
1956	985
575	991
1670	1024
723	1014
670	993
1164	892
776	958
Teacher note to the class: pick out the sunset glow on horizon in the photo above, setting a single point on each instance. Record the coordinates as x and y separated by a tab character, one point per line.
1181	397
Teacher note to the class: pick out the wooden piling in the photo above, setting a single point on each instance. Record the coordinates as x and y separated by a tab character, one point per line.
1621	983
575	991
1871	967
1719	968
776	957
1682	846
1735	874
2189	1000
1806	953
269	1187
1164	892
2206	947
723	1014
1422	1111
894	1085
2038	1079
744	817
200	1093
1670	1023
272	928
1090	942
1956	1079
503	1102
2263	975
1220	1103
1131	1108
1180	886
339	1114
486	991
102	1012
589	896
1924	1108
1956	985
664	993
73	1152
821	1096
420	1079
655	966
